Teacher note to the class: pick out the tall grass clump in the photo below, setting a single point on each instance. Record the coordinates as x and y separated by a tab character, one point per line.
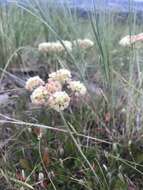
18	31
80	125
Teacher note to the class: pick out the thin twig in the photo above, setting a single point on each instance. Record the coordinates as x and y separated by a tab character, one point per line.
54	129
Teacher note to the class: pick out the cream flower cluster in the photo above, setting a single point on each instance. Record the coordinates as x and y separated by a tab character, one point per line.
62	75
128	40
53	86
77	87
55	47
84	43
53	93
58	47
39	96
59	101
34	82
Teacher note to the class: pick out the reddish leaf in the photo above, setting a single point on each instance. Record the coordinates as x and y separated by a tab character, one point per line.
38	132
20	176
107	117
46	159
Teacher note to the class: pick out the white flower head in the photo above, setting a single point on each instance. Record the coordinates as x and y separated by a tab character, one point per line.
62	75
44	47
53	86
128	40
84	43
68	45
77	87
33	82
41	177
39	96
59	101
55	47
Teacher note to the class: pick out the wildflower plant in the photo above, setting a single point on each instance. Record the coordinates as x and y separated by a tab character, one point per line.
52	93
83	43
130	40
54	47
60	47
64	50
87	146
